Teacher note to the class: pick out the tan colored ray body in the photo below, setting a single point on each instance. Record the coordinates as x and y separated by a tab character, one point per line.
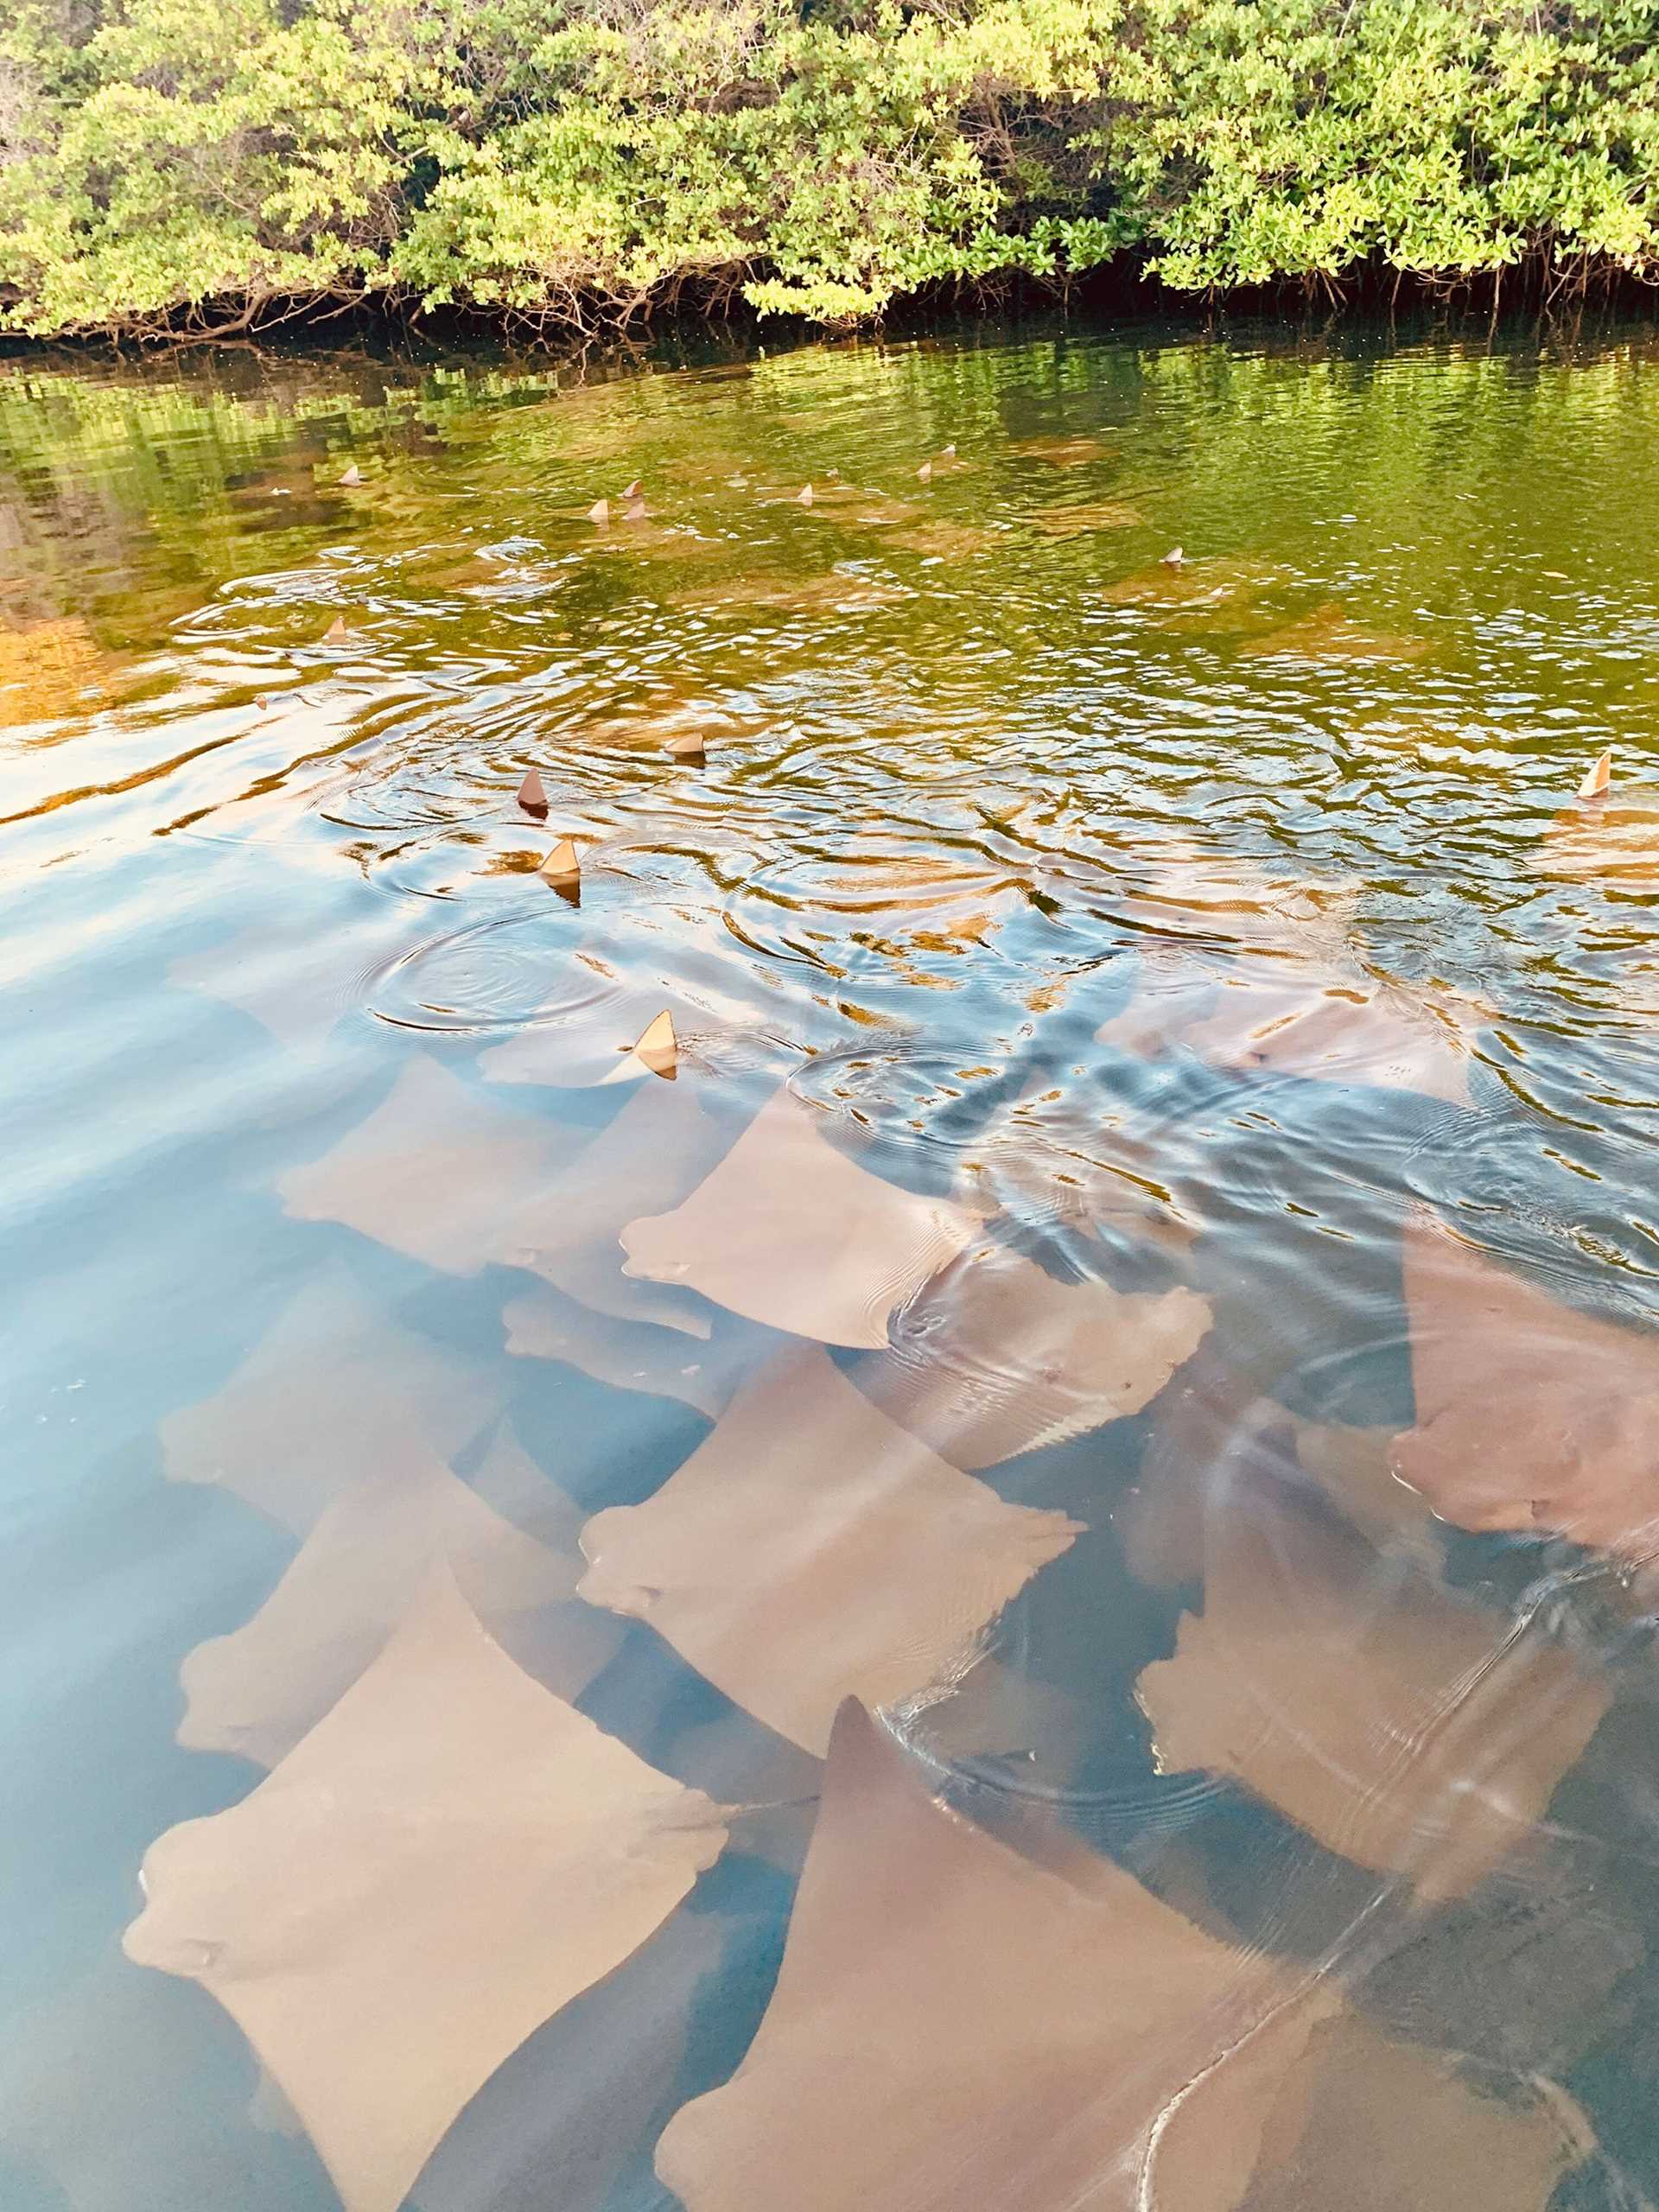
295	989
810	1549
1064	452
1329	1027
1605	841
1573	1451
1328	634
1017	1358
789	1230
955	2026
258	1691
1405	1728
546	1323
449	1858
439	1171
333	1391
562	865
1075	522
658	1148
1375	2125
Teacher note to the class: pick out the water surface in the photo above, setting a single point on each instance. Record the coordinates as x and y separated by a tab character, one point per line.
1143	1275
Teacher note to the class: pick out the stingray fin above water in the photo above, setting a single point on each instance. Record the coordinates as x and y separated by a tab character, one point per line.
446	1860
440	1170
1597	776
810	1549
533	794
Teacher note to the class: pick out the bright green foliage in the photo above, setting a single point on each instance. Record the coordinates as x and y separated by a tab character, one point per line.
575	160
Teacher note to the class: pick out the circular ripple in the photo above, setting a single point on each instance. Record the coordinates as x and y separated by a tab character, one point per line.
490	976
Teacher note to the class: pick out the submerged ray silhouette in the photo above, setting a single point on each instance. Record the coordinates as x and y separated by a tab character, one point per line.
810	1549
450	1856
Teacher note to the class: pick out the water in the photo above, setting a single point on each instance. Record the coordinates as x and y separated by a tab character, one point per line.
1162	1055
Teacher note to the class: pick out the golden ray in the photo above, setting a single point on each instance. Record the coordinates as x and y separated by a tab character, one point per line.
352	477
1073	522
533	794
258	1691
1328	634
804	497
1375	2125
654	1051
1065	452
1354	1468
91	2093
297	989
1530	1414
1597	776
692	747
599	511
924	473
1332	1026
956	2025
546	1323
337	633
1405	1728
810	1549
789	1230
332	1390
447	1859
1019	1359
571	1232
439	1171
1605	841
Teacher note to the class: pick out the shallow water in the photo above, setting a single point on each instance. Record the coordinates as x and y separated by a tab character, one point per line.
1144	1274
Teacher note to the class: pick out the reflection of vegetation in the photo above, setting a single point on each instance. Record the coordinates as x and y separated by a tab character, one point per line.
555	158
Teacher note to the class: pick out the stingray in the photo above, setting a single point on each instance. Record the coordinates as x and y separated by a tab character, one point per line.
658	1148
258	1691
836	592
1354	1468
114	2088
1064	452
446	1860
1530	1414
338	632
295	988
1608	841
956	2025
333	1391
789	1230
1328	634
810	1549
1376	2126
1074	521
1597	776
1336	1027
1405	1728
545	1323
997	1357
943	541
439	1171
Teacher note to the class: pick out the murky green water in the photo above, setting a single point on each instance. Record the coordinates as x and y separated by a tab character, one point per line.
1144	1274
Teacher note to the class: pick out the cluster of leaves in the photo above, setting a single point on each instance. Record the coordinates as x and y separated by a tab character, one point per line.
220	161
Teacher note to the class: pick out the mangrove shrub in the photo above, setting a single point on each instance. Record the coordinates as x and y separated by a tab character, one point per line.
167	164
